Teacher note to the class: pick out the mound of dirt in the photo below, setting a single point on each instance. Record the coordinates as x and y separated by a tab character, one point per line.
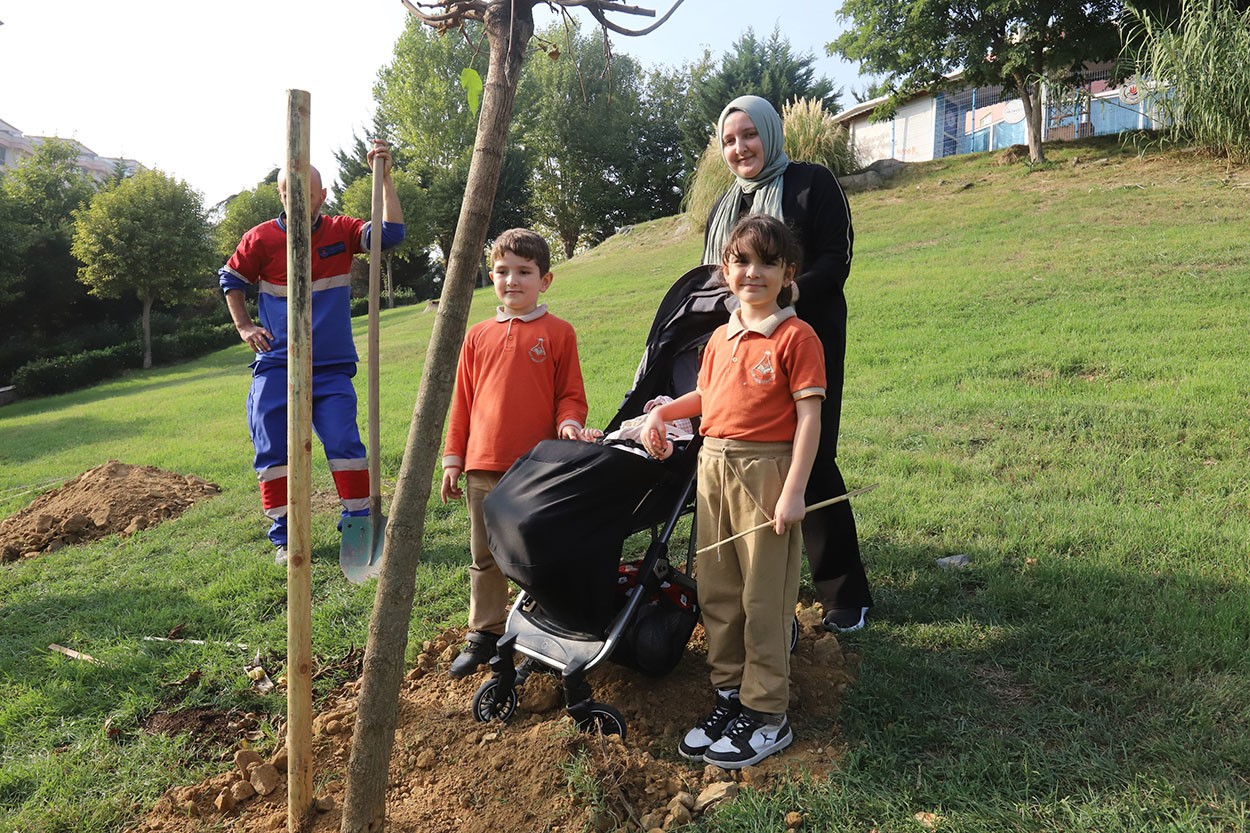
112	498
451	774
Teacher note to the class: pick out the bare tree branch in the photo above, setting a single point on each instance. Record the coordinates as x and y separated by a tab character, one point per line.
599	7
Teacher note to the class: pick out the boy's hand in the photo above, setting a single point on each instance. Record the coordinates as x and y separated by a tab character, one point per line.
451	484
655	436
586	435
790	510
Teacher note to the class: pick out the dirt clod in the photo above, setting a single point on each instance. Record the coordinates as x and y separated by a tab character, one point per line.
114	498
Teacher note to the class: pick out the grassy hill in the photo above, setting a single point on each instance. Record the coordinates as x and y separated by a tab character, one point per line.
1042	374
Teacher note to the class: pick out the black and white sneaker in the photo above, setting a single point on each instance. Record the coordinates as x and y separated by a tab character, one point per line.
846	619
750	739
710	728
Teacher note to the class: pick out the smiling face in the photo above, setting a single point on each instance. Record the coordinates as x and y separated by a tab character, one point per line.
741	145
756	280
518	282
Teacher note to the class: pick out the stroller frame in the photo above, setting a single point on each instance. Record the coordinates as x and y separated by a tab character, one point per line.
574	654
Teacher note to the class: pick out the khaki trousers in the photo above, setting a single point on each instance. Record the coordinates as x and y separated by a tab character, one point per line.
488	589
747	587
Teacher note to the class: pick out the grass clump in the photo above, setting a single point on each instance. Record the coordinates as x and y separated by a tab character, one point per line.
1198	71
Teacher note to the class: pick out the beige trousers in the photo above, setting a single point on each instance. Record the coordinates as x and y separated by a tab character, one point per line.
747	587
488	589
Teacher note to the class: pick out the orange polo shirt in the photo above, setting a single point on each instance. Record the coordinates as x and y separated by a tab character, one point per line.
519	381
750	378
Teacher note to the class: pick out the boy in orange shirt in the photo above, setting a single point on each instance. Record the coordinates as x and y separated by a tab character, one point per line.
761	382
519	382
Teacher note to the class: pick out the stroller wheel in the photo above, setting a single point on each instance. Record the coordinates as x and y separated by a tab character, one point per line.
604	720
488	704
794	634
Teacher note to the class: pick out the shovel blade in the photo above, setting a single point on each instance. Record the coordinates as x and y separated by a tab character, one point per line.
360	551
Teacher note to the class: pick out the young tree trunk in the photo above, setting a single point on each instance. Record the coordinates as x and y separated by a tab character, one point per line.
147	331
364	806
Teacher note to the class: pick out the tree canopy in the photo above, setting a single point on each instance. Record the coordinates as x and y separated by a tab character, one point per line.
768	68
1020	45
148	237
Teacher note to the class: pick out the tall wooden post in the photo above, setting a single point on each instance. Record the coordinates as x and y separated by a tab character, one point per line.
299	464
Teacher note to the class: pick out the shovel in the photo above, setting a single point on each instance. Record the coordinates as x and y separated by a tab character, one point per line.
360	552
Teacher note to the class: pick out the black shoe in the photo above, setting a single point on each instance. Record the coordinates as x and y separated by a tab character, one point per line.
479	647
846	619
750	739
710	728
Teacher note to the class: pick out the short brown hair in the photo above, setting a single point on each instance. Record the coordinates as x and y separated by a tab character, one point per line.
770	239
525	243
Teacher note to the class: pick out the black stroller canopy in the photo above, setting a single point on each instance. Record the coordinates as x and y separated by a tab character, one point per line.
694	306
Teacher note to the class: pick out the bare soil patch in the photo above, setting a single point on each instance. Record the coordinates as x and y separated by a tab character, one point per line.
450	773
114	498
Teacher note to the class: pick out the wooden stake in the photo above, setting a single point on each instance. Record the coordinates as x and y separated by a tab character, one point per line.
811	508
300	798
375	289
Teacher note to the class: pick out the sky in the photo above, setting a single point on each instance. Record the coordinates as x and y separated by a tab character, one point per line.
199	89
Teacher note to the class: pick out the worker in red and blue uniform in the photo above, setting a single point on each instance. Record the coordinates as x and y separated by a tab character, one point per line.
260	261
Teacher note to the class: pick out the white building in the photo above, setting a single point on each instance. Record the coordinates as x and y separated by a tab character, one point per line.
16	146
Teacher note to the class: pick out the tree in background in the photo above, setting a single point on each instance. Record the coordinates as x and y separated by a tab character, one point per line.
13	242
917	45
767	68
810	136
578	116
423	108
40	195
148	236
406	265
245	210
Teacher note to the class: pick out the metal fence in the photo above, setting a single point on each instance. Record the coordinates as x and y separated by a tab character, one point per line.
981	119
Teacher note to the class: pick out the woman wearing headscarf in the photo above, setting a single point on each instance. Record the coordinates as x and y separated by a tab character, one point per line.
808	198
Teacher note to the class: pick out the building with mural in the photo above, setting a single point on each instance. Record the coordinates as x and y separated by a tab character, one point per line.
931	125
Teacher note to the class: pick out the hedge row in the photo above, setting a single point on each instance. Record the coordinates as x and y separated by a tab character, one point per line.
44	377
62	374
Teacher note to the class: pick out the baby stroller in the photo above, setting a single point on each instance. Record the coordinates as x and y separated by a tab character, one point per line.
558	520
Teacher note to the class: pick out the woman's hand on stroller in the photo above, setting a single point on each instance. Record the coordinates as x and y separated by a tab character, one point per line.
451	484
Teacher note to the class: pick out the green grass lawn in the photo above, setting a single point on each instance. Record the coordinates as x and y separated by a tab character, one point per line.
1042	374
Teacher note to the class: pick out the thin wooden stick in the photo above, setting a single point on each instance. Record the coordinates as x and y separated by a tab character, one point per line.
811	508
194	642
72	654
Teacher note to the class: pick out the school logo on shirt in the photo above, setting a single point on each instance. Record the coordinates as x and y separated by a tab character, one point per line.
763	372
538	353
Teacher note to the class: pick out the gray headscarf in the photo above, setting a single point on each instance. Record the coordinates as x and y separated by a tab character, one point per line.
766	185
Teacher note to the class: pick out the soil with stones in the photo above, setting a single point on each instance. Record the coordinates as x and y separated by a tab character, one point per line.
450	773
114	498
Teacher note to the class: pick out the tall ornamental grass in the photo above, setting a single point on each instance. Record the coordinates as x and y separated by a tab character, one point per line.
1199	66
811	136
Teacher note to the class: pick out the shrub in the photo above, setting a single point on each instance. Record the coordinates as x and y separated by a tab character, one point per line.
1200	77
65	373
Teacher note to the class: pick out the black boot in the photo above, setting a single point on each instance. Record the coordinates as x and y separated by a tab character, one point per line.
479	647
